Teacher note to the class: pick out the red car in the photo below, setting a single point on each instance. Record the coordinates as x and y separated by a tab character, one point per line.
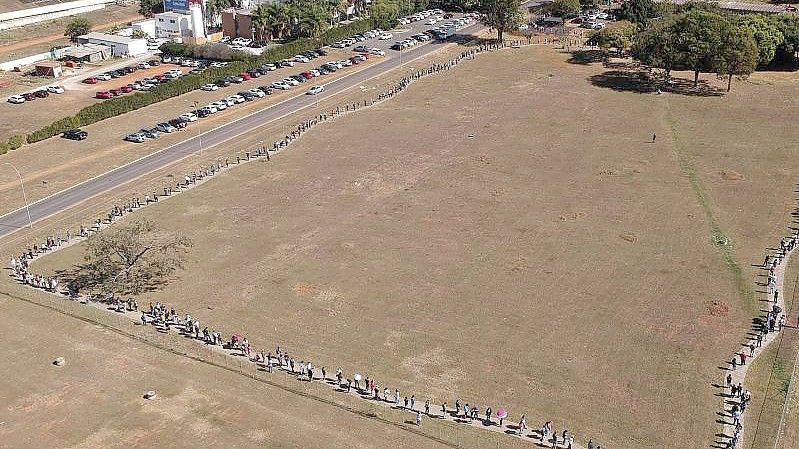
29	96
126	89
245	75
115	92
90	80
160	78
103	94
307	75
355	60
364	55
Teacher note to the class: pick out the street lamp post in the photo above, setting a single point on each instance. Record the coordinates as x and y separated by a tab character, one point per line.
199	136
24	195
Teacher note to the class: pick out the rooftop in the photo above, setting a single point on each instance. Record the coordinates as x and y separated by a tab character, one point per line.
109	38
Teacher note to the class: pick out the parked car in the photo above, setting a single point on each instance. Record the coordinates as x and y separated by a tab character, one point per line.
126	89
361	48
55	89
219	105
238	98
253	73
210	87
224	82
257	92
135	137
28	96
266	90
165	127
315	90
202	112
290	81
247	95
154	62
75	134
103	95
211	108
189	117
115	92
150	133
144	65
377	51
103	76
41	93
386	36
90	80
236	79
245	76
16	99
281	85
179	122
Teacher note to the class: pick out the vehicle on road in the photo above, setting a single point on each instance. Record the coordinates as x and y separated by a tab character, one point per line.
16	99
75	134
135	138
315	90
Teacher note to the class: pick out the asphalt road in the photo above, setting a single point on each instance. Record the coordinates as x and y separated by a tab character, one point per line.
72	196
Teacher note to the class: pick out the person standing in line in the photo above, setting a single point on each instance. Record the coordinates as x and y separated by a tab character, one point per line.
742	355
427	407
734	363
419	419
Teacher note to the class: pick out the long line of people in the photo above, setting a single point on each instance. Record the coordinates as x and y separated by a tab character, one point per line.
167	318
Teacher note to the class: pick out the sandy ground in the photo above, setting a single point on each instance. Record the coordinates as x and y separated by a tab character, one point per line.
95	400
529	265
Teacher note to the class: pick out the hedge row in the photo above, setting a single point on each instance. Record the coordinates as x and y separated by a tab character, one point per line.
127	103
14	142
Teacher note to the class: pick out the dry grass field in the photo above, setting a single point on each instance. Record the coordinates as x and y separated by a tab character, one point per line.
509	240
95	400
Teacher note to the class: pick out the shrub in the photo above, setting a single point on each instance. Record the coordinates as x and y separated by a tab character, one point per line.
16	141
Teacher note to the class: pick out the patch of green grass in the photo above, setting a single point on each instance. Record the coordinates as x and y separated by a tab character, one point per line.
719	238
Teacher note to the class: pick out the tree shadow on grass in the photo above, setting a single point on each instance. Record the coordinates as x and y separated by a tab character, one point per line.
585	57
641	82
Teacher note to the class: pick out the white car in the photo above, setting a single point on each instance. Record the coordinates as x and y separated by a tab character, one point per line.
211	108
143	65
175	72
209	87
301	58
377	51
16	99
230	101
257	92
288	62
432	21
290	81
189	117
103	77
315	73
404	21
219	105
55	89
146	86
603	16
238	98
315	90
345	62
336	64
386	36
281	85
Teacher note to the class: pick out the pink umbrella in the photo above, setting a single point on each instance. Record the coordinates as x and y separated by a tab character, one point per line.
502	413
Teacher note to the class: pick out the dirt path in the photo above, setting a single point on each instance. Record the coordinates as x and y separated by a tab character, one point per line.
25	43
739	373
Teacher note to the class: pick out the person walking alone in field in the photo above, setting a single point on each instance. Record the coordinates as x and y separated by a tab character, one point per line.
654	136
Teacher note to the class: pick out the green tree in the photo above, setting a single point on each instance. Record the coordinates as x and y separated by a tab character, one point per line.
139	34
638	12
700	34
261	20
129	258
563	8
78	26
501	15
149	7
656	46
739	54
617	35
384	12
788	24
766	33
313	20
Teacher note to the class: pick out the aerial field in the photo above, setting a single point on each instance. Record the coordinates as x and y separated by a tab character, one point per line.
509	234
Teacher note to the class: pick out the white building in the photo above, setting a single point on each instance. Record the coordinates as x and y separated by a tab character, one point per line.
146	26
175	24
120	46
